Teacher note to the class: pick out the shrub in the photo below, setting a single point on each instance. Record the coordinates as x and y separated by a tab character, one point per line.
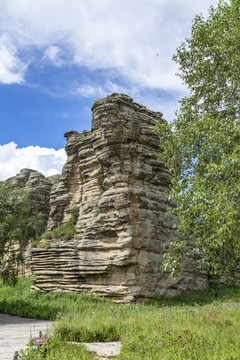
64	231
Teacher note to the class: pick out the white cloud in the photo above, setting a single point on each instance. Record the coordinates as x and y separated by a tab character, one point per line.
11	67
52	53
13	159
124	34
87	90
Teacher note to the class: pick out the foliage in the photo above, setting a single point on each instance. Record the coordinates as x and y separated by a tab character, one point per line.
202	145
65	231
18	224
198	325
74	215
100	180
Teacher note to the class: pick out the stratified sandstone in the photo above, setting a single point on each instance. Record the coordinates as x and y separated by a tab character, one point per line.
121	194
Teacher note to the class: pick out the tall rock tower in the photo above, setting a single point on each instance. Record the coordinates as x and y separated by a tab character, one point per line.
121	193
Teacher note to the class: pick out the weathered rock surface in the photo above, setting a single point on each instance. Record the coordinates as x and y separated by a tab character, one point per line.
39	187
121	194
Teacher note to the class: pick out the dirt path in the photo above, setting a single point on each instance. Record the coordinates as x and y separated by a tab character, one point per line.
15	333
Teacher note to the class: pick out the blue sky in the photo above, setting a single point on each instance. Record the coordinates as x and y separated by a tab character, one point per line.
58	56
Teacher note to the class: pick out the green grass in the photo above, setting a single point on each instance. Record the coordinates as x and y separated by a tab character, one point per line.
65	231
203	325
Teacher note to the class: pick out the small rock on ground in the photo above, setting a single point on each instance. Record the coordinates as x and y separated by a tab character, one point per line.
104	350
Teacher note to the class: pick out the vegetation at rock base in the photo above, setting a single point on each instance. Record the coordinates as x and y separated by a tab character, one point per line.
18	224
198	325
202	145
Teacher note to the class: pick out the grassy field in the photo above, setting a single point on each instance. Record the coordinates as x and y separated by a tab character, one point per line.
203	325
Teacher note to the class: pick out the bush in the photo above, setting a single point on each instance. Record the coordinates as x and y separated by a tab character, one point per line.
65	231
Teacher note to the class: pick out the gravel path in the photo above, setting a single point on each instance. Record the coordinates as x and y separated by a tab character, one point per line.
15	333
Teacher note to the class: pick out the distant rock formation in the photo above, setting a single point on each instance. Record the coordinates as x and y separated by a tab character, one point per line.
39	187
120	191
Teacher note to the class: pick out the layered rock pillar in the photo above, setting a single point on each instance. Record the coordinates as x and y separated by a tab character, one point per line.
121	193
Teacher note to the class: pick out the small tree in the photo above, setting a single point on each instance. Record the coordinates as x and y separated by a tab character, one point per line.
202	145
18	224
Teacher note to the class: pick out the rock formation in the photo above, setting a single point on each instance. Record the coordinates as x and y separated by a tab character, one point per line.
39	188
120	191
